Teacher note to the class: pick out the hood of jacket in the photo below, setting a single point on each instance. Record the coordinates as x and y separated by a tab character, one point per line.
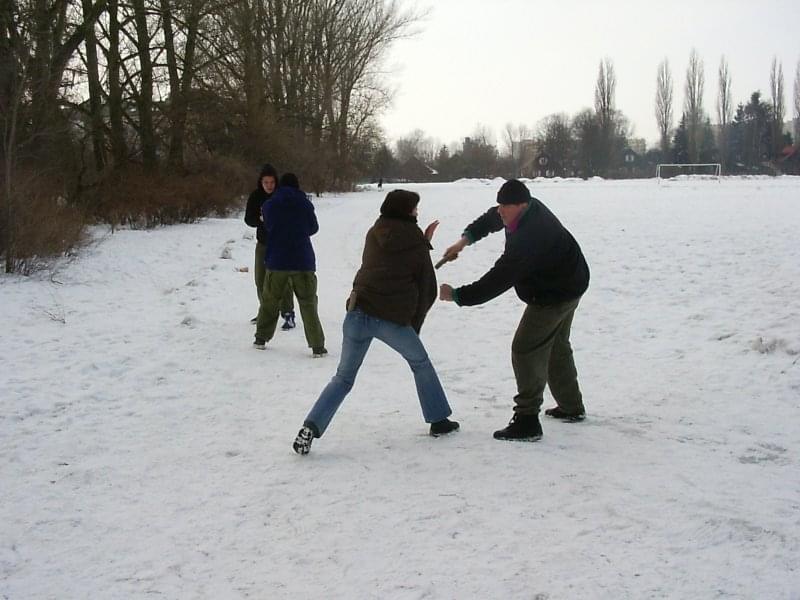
396	234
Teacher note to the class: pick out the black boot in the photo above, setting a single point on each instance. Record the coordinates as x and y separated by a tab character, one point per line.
443	427
306	435
557	413
521	428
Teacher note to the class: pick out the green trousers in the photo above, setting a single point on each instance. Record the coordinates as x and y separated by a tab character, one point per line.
304	283
542	355
260	270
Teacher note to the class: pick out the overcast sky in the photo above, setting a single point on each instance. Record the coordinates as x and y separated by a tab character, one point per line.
491	62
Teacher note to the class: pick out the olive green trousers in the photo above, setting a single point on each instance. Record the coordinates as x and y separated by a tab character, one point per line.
304	284
541	355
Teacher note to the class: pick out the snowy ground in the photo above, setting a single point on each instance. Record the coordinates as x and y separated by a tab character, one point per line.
145	446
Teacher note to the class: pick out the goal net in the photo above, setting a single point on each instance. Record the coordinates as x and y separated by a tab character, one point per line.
702	170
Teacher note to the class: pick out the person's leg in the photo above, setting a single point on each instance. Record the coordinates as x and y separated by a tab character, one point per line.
356	339
259	268
404	339
305	288
562	376
275	283
530	353
287	301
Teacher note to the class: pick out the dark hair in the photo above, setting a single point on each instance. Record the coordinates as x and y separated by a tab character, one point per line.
290	180
399	203
268	171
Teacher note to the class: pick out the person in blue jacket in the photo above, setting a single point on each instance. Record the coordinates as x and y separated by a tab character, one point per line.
290	222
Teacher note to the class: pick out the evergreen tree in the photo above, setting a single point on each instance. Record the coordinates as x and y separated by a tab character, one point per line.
751	134
680	143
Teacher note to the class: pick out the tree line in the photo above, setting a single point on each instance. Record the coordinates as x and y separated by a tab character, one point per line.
598	141
144	112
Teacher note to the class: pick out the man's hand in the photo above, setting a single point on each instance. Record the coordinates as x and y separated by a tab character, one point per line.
430	230
453	251
446	292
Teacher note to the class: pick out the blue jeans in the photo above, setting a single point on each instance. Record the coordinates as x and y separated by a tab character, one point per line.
359	329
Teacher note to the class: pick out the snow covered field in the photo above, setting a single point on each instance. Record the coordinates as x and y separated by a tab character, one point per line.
145	447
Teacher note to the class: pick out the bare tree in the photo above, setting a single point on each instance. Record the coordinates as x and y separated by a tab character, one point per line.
724	109
119	150
181	66
515	135
664	91
693	104
416	145
555	138
95	92
797	104
778	105
604	91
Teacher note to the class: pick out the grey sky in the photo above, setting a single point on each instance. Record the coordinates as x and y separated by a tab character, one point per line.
491	62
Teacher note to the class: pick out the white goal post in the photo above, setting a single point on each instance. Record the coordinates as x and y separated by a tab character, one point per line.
706	169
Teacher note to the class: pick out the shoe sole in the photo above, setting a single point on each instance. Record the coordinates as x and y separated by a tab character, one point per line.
259	347
533	438
436	435
301	450
567	418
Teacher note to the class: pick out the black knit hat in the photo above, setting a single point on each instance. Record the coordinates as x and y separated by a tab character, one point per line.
268	171
399	203
290	180
513	191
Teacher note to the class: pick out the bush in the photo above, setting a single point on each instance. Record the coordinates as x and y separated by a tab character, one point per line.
39	226
140	200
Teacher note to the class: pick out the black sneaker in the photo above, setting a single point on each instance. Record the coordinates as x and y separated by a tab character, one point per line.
259	343
521	428
443	427
302	443
318	352
288	321
254	320
557	413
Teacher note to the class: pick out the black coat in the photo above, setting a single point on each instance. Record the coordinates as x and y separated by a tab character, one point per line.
541	260
396	281
252	213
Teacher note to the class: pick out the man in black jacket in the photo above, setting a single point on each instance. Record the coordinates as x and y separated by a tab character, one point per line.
546	267
267	182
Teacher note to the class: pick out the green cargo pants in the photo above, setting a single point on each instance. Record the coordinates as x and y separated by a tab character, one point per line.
260	270
304	284
542	355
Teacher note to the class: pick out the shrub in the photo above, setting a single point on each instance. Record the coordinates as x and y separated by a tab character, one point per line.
39	226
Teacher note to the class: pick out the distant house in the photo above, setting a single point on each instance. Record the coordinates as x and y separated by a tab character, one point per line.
630	163
789	162
415	169
545	166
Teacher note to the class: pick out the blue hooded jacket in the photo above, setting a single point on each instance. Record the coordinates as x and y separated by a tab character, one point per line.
290	222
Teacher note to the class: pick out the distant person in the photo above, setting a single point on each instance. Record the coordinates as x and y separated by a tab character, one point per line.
267	182
392	292
380	183
290	222
546	267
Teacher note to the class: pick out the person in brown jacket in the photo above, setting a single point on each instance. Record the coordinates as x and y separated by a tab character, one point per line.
392	292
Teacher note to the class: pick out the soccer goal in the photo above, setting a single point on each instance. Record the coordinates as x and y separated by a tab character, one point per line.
705	170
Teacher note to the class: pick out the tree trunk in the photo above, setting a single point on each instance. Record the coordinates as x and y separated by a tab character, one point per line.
145	96
95	93
119	148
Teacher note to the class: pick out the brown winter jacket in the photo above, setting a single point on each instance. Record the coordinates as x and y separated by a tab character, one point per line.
396	281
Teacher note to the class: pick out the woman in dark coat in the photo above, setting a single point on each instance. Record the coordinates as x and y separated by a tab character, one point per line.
392	292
